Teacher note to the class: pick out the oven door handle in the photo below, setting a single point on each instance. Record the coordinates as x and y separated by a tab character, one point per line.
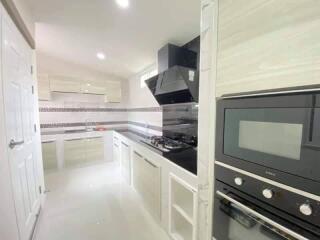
265	219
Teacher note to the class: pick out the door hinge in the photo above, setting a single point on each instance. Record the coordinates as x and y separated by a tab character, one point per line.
40	189
35	127
32	89
31	70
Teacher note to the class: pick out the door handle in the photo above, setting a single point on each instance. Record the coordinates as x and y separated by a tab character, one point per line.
13	143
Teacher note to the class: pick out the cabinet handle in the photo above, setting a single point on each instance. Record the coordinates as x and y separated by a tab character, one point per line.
125	144
115	138
150	163
48	142
116	145
75	139
89	138
138	154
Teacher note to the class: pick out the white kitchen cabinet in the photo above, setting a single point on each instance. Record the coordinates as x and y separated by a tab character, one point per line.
182	210
116	149
125	162
267	45
65	84
82	151
49	155
93	87
74	152
44	92
146	181
94	149
113	91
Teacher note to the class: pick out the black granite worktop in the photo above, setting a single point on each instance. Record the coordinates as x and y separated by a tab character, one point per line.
186	158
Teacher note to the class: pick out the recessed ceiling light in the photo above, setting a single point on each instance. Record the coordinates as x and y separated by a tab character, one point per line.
101	56
88	84
123	3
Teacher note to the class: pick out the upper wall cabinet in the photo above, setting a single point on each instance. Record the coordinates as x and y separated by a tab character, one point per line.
65	84
44	92
93	87
113	91
264	44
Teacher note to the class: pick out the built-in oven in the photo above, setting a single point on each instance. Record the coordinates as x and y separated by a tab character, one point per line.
238	216
273	136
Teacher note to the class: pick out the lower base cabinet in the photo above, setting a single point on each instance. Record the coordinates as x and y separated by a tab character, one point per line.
146	181
125	162
116	149
94	149
182	210
49	155
74	152
81	151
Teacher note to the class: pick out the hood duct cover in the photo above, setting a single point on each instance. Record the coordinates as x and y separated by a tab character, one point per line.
176	85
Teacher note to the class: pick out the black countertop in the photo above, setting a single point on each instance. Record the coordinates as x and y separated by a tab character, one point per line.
186	158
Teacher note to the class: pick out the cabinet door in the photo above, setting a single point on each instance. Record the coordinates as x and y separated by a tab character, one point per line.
49	155
44	92
267	45
94	149
113	91
125	162
93	87
116	152
146	181
65	84
74	152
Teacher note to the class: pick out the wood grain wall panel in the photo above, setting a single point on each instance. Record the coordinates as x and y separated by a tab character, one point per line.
267	44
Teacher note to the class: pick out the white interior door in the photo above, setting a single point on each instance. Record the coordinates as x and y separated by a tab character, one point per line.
19	118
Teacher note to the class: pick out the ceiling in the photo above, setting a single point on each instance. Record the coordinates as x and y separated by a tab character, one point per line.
75	30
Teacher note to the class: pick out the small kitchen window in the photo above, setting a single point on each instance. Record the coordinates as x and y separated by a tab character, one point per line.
147	75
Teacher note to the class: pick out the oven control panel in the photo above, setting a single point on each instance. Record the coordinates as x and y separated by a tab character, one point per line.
293	201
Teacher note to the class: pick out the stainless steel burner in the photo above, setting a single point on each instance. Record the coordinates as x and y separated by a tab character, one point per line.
165	144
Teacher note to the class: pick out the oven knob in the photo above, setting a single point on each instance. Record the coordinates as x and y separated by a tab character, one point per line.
238	181
306	209
268	193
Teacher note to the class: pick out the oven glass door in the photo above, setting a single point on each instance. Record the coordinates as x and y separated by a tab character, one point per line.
277	138
237	221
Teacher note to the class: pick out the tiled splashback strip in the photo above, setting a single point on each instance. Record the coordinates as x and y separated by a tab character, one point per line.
55	109
80	124
83	124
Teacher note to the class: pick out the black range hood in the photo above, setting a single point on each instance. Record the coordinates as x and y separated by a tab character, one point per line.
178	78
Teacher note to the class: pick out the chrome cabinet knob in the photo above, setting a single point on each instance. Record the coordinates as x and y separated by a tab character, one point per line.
238	181
306	209
268	193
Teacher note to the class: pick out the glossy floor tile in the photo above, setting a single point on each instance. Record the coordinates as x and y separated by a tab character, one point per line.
94	203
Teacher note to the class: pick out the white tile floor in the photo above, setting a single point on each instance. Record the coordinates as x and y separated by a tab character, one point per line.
93	203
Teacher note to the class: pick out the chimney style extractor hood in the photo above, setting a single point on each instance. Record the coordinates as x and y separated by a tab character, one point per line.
178	78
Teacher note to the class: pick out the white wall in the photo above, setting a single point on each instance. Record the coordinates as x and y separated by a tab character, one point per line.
141	97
